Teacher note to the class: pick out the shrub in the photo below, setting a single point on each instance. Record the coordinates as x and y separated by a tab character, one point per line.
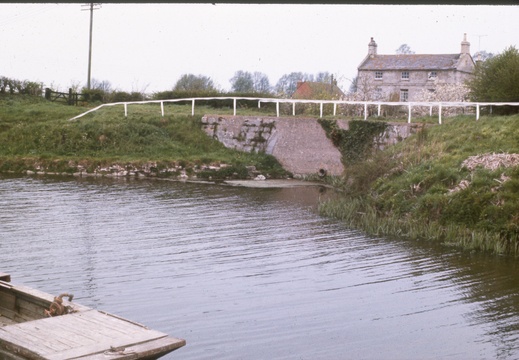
13	86
497	80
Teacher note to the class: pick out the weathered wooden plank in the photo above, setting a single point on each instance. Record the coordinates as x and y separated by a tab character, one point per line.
54	334
104	324
29	304
11	351
4	355
28	343
151	348
107	349
78	334
7	300
85	333
5	277
7	305
38	337
5	320
26	310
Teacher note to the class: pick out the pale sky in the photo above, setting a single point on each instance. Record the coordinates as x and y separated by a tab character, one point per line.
148	47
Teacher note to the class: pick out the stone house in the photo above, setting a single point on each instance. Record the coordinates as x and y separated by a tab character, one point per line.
403	77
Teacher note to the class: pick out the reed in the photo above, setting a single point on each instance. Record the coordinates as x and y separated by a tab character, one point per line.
419	189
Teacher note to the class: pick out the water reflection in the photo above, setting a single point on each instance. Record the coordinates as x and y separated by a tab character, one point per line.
254	273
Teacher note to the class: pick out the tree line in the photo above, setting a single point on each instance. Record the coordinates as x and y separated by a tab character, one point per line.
251	82
496	79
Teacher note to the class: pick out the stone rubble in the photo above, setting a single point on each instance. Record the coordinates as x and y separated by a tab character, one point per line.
490	162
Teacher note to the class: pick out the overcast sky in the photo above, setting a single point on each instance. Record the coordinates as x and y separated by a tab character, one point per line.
148	47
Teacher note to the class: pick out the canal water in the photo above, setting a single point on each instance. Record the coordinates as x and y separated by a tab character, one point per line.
246	273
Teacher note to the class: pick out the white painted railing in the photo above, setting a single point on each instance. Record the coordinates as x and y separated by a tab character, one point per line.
366	104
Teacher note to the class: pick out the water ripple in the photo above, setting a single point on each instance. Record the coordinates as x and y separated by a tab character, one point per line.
253	273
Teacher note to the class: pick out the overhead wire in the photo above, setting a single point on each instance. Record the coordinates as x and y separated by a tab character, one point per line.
24	12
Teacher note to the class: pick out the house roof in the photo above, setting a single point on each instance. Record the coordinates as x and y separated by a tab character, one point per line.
309	89
411	62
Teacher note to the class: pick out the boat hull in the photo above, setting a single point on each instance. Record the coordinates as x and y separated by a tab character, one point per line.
27	333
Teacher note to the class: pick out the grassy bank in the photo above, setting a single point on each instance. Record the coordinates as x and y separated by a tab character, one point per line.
36	135
433	187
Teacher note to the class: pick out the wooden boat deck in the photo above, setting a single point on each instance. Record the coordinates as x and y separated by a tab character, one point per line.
85	333
89	334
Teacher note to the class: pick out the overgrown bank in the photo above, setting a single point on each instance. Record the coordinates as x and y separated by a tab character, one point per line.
457	183
37	136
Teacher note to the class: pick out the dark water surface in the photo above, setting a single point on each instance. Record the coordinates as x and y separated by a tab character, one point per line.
254	273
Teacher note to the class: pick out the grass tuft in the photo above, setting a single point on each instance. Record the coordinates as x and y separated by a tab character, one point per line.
414	189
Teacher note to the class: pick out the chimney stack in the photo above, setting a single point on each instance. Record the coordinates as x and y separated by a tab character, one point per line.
372	48
465	45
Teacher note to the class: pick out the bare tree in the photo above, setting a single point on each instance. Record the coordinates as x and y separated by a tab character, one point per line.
404	49
482	55
366	88
324	77
287	84
261	83
104	85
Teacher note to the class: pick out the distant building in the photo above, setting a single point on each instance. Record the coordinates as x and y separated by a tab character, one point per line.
318	90
404	77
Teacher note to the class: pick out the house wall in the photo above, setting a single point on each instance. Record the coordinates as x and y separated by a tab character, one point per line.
418	81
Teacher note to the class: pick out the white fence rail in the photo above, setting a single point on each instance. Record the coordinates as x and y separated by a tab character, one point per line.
335	103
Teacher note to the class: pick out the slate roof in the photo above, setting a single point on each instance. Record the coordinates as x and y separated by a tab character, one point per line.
411	62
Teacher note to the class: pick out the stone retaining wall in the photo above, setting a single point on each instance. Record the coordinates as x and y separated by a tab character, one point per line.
299	144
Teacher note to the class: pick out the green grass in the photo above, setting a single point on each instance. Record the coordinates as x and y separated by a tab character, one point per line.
35	133
405	190
402	191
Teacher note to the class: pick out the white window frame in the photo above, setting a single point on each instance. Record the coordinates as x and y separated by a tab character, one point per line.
405	75
378	75
404	95
432	75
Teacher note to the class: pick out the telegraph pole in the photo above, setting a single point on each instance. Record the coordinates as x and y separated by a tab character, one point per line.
90	7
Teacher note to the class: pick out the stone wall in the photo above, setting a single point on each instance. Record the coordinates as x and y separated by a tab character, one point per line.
418	81
299	144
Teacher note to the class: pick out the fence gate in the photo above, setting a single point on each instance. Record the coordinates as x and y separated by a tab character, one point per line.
70	98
